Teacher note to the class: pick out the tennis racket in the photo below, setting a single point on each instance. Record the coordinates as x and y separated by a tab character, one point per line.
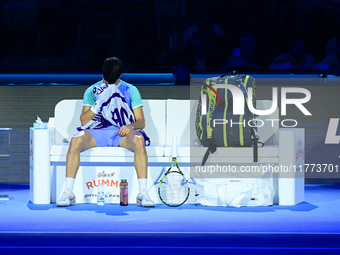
173	188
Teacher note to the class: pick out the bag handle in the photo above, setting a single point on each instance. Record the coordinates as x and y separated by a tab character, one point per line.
235	72
211	149
255	139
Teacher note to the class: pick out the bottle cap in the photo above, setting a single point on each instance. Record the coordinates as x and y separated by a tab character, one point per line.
123	181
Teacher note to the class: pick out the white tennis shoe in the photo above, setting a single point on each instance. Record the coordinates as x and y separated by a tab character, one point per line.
144	200
68	198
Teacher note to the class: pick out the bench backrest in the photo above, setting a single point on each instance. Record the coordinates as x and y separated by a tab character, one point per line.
67	113
164	118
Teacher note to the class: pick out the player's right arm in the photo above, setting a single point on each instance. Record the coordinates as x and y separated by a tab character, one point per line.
88	101
86	115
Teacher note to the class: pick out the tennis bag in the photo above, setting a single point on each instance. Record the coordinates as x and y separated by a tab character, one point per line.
239	134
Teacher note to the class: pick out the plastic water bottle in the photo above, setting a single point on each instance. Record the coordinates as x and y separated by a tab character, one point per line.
123	192
100	194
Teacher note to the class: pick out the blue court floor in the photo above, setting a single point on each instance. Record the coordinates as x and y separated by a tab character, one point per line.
311	227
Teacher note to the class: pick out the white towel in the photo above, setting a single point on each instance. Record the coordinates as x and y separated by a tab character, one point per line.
114	110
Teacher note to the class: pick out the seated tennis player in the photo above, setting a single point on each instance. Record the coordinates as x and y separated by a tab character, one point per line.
112	115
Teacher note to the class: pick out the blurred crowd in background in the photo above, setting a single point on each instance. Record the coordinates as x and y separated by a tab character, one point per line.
179	36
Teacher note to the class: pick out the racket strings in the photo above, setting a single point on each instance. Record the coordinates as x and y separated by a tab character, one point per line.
174	189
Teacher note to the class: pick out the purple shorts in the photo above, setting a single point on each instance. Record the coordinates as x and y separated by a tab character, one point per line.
108	137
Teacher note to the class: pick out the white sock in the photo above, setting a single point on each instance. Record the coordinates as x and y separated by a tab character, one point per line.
69	183
142	184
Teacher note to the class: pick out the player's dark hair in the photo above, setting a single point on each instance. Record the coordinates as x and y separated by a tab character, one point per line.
112	69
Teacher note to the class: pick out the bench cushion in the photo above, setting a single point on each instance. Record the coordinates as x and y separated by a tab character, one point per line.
158	150
60	149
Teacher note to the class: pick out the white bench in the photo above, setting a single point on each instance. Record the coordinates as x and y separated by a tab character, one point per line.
164	118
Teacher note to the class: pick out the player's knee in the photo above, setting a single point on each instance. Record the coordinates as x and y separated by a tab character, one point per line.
138	142
75	143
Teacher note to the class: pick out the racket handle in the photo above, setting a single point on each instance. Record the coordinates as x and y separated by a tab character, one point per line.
174	146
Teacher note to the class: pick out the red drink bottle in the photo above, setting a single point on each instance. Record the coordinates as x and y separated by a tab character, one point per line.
123	192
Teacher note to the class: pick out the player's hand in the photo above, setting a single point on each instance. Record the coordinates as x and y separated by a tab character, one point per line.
125	130
96	107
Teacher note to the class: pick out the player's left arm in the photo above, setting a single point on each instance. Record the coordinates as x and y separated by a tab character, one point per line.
139	118
138	124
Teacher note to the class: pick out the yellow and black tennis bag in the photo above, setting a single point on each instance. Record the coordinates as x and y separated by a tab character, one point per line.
235	130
